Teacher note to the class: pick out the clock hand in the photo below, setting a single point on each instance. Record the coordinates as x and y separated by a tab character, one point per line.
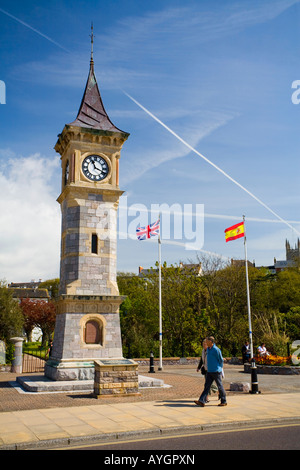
98	166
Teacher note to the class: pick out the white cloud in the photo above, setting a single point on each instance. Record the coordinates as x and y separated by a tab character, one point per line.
189	26
29	219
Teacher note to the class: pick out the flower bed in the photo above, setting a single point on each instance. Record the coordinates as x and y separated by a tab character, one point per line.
274	360
277	365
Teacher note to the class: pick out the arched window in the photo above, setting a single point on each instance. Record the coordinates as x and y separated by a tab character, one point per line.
93	332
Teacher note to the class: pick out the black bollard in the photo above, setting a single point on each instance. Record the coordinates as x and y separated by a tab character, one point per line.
254	381
151	370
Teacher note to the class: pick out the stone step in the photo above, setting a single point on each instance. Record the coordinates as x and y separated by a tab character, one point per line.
44	384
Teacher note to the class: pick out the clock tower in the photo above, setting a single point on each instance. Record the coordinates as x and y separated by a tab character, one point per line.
87	325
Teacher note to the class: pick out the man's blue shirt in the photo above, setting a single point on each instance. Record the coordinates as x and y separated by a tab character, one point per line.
214	359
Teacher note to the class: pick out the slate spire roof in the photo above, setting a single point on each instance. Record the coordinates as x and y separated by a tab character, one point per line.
92	113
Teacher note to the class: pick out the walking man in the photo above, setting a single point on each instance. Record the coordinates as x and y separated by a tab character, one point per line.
214	372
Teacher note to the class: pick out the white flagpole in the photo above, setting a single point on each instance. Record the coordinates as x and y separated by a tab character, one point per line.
248	292
254	381
160	312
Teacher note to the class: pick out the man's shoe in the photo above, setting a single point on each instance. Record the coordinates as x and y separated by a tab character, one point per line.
222	404
199	403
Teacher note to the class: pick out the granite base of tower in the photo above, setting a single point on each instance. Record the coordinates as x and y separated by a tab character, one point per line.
69	370
87	329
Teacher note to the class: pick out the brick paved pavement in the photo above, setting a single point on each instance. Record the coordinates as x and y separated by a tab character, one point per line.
183	379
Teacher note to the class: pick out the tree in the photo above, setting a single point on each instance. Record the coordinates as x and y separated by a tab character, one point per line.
214	303
287	292
275	307
292	323
182	309
41	314
137	316
11	318
52	285
183	312
225	285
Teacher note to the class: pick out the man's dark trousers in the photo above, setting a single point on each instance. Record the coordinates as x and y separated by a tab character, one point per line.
210	377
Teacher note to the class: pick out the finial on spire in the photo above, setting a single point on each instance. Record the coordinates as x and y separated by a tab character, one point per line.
92	43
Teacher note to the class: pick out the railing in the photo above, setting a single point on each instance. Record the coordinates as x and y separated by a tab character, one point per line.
33	361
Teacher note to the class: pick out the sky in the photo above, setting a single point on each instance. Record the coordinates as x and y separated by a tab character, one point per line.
206	89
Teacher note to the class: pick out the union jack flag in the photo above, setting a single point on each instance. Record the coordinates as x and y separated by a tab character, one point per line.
149	231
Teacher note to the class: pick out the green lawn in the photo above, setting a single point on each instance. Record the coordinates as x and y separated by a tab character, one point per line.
35	349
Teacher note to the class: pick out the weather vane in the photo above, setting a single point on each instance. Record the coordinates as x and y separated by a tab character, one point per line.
92	42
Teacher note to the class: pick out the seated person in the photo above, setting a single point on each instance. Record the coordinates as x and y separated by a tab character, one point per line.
262	351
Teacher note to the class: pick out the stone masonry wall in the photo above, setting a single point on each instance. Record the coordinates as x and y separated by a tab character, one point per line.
115	380
83	272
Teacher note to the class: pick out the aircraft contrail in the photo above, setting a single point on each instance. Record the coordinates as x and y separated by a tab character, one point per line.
249	219
33	29
211	163
214	216
173	242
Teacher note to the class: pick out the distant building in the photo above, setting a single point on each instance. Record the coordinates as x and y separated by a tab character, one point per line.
292	255
25	285
28	290
241	262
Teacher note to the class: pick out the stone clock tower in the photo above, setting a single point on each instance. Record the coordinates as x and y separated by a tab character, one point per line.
87	325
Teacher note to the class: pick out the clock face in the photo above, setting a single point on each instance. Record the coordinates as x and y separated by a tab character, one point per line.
95	168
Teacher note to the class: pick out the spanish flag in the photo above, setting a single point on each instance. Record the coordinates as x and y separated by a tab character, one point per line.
234	232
